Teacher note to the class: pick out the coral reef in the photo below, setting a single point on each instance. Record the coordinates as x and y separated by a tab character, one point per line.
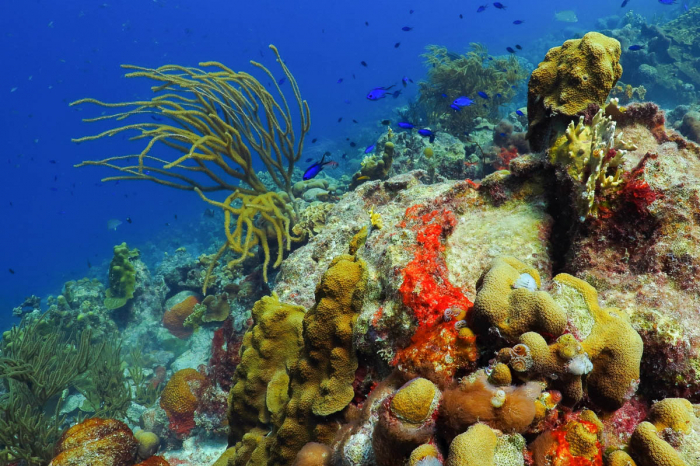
454	76
222	118
180	399
572	76
373	167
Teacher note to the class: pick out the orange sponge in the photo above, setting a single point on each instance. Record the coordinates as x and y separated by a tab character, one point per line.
180	398
174	318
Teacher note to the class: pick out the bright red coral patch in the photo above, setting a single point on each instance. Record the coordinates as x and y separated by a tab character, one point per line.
427	291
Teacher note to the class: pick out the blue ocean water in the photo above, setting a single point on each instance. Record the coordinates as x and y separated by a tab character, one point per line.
55	216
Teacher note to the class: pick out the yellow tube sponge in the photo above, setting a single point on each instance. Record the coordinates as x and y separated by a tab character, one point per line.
578	73
508	298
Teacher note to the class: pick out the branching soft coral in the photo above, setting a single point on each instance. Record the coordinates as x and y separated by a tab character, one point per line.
217	118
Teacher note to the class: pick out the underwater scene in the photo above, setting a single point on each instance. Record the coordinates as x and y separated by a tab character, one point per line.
367	233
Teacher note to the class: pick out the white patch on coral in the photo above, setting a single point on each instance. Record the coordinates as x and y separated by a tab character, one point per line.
580	365
525	280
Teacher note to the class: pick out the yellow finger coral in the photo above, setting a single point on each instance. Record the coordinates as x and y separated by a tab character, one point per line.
578	73
507	298
269	347
321	379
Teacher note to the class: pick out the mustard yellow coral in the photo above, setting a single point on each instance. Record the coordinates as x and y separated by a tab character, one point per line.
578	73
475	447
269	347
613	346
374	167
415	401
321	379
515	310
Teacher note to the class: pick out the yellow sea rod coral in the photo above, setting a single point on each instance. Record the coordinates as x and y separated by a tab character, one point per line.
578	73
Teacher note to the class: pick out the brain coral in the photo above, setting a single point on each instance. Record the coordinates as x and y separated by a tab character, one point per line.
97	442
669	437
482	446
512	310
576	442
580	72
613	346
180	399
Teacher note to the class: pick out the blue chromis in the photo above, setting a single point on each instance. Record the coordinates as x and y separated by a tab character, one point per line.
378	92
454	107
407	28
499	5
463	101
518	21
425	132
635	47
405	125
481	8
483	95
370	148
315	168
510	49
519	113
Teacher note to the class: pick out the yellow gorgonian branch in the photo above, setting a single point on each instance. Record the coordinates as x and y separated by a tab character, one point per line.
220	122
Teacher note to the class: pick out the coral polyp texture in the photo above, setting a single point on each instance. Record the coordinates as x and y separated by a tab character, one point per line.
180	399
572	76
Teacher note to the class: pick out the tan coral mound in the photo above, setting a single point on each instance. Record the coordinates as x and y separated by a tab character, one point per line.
578	73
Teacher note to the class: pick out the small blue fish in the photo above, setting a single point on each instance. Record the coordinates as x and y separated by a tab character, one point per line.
281	81
519	113
499	5
624	3
462	101
686	7
635	47
483	95
444	95
481	8
405	125
378	92
405	80
667	2
455	107
510	49
395	94
369	149
410	12
427	133
498	96
407	28
315	169
339	81
518	21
